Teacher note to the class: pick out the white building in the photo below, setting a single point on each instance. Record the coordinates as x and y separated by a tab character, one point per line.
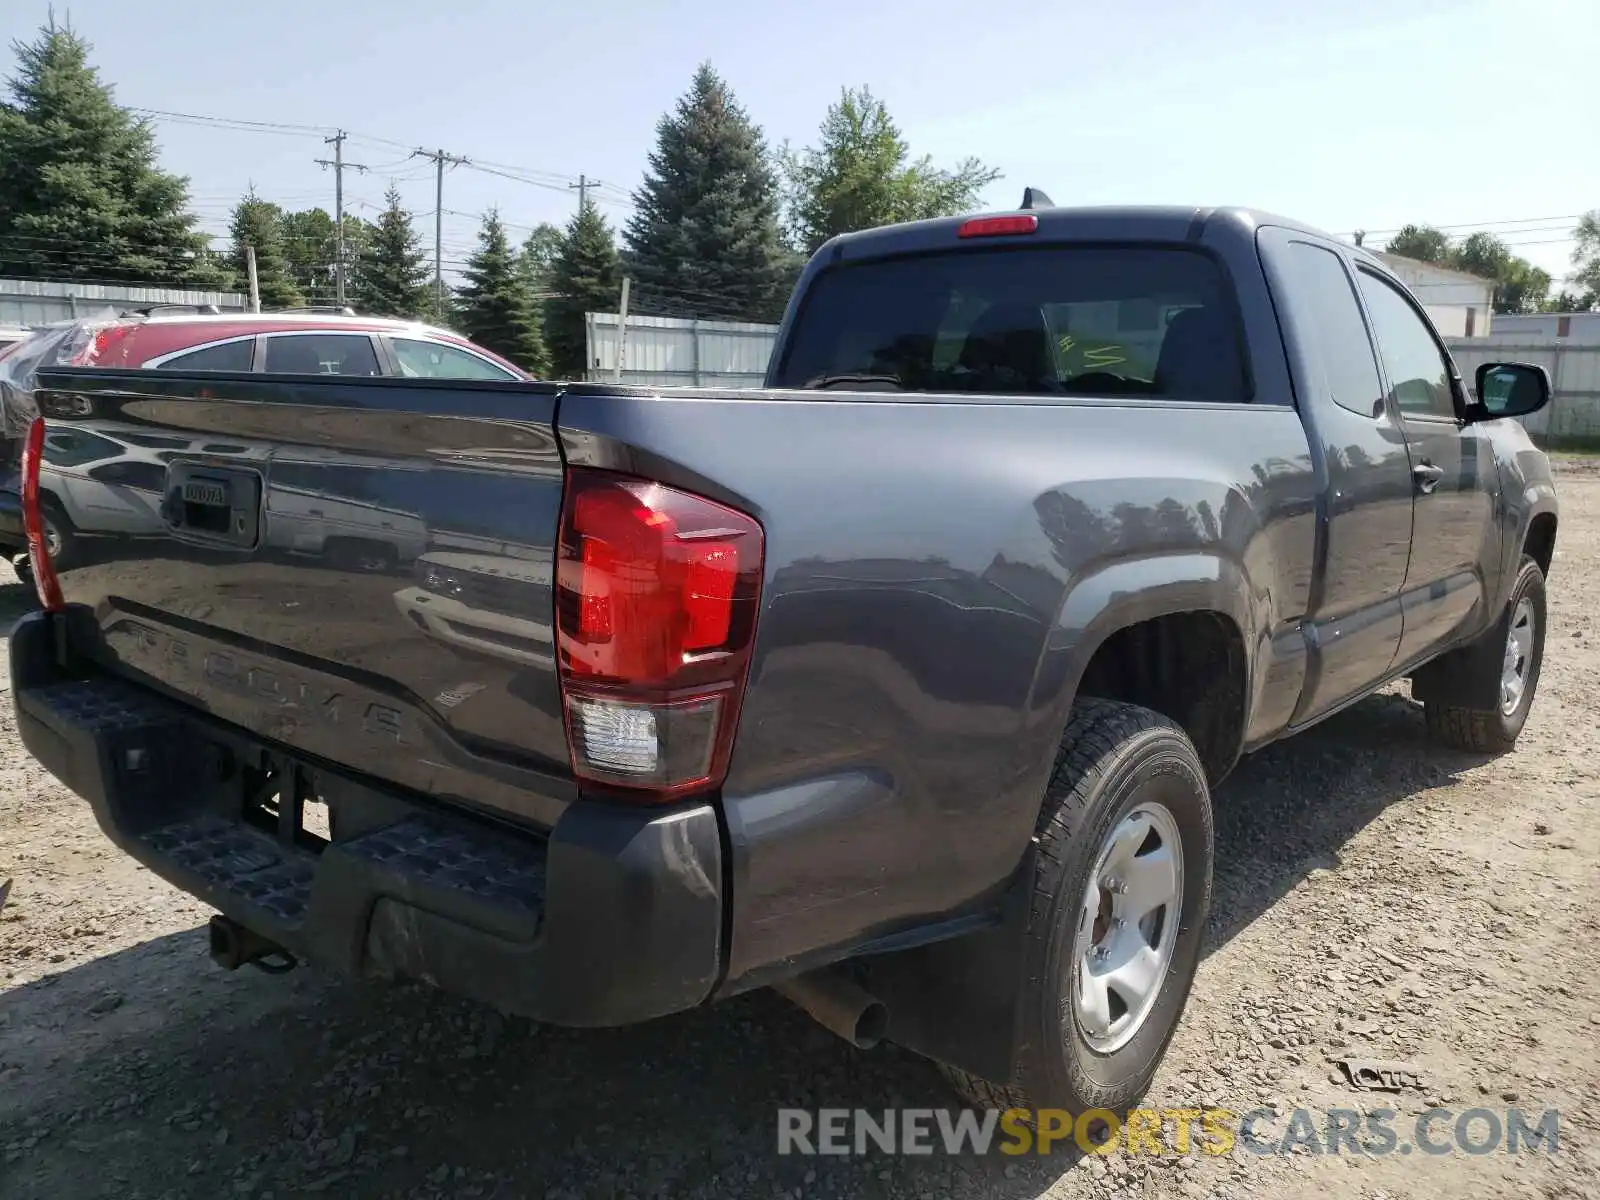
1459	304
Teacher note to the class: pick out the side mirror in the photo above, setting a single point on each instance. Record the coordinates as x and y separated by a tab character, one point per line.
1511	390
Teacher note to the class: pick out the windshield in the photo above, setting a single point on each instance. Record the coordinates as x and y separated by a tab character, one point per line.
1086	320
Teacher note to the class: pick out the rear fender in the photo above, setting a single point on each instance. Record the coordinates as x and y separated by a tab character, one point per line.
956	1001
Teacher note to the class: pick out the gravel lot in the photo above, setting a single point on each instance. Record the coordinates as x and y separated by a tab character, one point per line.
1376	896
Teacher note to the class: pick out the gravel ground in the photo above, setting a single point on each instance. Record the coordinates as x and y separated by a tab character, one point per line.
1376	896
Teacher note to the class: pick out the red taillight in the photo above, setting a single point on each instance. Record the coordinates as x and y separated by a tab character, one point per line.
998	226
656	598
44	571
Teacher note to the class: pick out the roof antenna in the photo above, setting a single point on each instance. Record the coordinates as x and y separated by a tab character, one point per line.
1035	198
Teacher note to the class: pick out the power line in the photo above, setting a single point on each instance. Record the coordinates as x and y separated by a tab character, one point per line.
233	123
534	176
1475	225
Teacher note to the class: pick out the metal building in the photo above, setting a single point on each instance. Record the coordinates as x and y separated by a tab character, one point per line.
1579	329
27	302
669	351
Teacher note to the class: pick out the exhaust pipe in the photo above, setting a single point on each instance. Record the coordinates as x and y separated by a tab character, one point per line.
839	1004
232	946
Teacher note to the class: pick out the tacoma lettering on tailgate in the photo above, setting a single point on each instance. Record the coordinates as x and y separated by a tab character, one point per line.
291	702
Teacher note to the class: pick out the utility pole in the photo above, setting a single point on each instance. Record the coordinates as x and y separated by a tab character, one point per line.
440	158
338	164
622	329
583	185
255	281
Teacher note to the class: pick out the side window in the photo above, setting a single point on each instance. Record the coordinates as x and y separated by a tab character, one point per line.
145	475
228	356
1336	331
75	447
322	354
155	441
435	360
1417	370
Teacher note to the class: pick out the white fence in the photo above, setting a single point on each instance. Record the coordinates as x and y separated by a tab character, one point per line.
28	302
1573	413
668	351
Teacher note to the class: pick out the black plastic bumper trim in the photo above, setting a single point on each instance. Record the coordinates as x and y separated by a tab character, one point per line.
616	917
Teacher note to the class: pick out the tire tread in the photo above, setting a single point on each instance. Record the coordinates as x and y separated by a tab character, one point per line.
1484	730
1096	730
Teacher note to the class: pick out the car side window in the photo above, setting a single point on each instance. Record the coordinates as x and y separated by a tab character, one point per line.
226	356
1419	374
1336	333
75	448
435	360
148	476
322	354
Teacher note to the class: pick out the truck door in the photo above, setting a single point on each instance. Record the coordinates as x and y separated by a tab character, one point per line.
1454	480
1355	622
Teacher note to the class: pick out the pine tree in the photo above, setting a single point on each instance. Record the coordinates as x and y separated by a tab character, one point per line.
392	277
496	308
584	278
81	196
259	223
704	237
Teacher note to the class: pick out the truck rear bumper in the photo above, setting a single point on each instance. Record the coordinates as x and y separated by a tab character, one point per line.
615	917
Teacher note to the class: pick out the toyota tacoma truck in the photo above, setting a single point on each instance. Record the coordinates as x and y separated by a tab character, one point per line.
902	684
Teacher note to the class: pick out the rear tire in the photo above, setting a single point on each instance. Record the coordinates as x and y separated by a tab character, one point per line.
1514	648
1094	1040
361	554
60	536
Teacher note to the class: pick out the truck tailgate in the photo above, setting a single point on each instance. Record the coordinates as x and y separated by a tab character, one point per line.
358	569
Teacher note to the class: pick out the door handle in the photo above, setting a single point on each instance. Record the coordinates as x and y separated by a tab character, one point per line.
1427	476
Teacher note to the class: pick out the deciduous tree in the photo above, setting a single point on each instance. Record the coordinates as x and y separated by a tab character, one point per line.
861	175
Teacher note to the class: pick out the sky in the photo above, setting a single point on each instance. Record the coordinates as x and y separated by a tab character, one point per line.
1349	114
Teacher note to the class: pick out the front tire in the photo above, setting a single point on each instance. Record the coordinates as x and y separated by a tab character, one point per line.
1516	647
1121	891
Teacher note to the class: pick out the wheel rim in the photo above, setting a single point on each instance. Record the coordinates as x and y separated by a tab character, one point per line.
1519	657
52	540
1127	928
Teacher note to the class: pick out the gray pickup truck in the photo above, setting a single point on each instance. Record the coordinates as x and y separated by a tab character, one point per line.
901	685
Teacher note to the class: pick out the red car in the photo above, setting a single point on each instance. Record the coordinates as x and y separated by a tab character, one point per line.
301	343
289	342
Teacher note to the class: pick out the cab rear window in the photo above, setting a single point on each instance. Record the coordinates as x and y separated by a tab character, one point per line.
1154	322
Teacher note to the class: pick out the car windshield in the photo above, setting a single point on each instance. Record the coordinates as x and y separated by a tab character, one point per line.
1149	321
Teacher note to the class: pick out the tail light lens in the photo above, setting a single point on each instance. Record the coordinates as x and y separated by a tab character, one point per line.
656	599
44	571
